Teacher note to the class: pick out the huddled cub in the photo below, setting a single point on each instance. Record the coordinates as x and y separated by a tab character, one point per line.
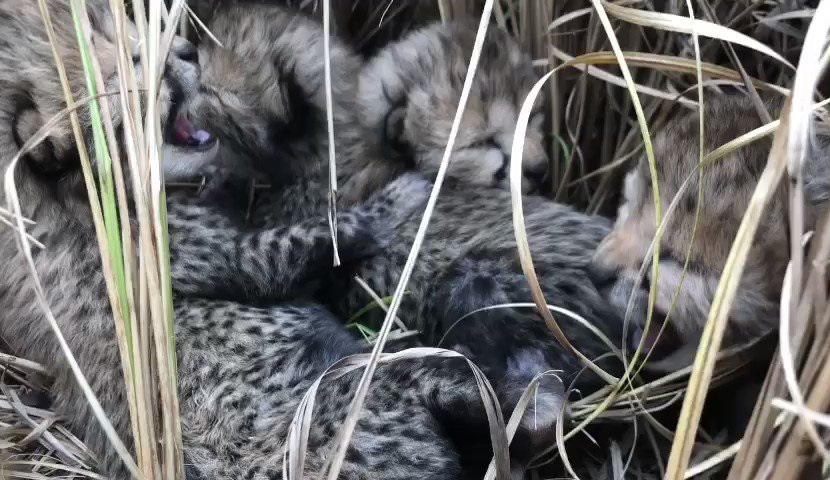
727	187
408	94
469	259
246	354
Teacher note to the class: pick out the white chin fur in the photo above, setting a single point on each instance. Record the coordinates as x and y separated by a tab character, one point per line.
186	163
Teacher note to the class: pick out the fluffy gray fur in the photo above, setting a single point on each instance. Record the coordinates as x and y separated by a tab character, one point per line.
469	259
242	367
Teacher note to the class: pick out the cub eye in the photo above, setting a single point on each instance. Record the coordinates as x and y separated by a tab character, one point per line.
136	59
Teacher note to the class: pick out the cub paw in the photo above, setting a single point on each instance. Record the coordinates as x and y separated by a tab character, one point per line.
412	187
545	404
358	239
406	195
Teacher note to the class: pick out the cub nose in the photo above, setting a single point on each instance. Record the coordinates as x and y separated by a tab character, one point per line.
185	51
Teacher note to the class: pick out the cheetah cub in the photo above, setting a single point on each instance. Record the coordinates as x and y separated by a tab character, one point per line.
408	94
243	365
469	258
727	187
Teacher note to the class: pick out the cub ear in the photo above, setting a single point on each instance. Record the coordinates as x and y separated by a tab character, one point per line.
51	156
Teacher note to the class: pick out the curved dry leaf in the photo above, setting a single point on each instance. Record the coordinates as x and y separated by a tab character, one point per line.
295	448
564	311
616	79
667	63
520	233
677	23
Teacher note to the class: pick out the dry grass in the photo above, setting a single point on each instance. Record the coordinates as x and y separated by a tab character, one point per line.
613	69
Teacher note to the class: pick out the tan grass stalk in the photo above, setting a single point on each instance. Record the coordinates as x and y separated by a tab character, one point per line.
787	340
110	169
114	235
615	79
518	217
810	65
713	461
700	192
378	301
520	233
332	211
13	200
676	23
641	120
665	63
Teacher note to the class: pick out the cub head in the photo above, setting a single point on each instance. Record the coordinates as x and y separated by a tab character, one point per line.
409	94
32	95
263	90
727	186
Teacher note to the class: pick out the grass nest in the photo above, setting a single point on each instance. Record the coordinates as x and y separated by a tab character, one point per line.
594	134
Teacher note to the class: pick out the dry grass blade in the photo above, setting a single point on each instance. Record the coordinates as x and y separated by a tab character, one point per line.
810	68
616	80
516	416
788	363
649	150
31	416
9	222
659	233
641	120
350	421
110	214
676	23
294	451
117	227
521	233
25	247
700	192
5	212
666	63
23	242
203	28
332	212
811	64
558	310
155	289
378	300
713	461
10	360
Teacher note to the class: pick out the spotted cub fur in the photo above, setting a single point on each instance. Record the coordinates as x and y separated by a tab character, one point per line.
243	366
469	259
727	187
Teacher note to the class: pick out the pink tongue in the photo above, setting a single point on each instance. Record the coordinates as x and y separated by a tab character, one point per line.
184	130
